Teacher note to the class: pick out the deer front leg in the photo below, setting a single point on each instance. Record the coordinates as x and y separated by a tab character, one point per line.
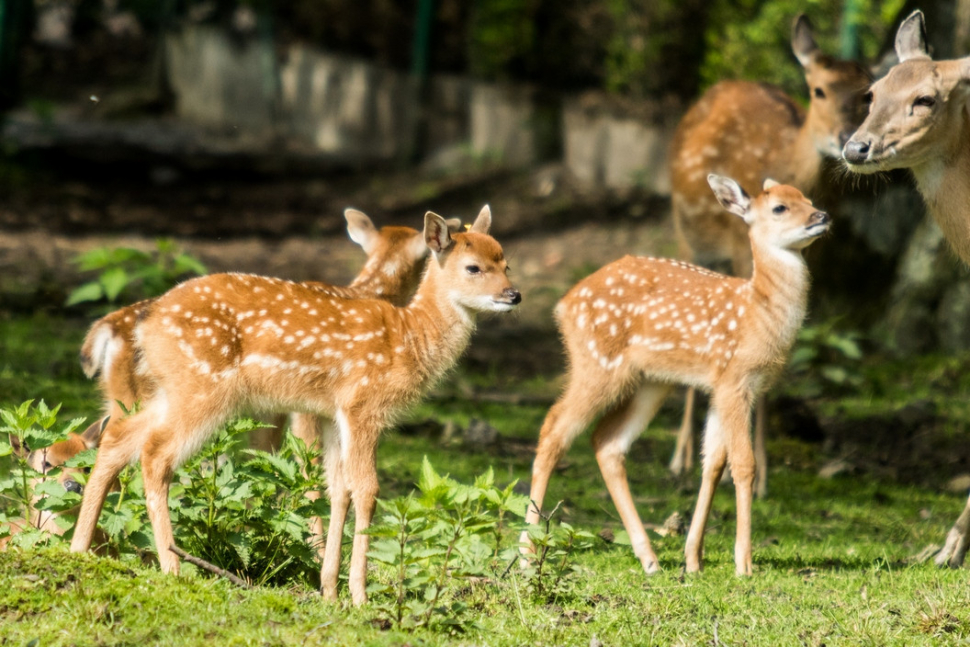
736	421
957	541
715	458
611	440
339	503
360	469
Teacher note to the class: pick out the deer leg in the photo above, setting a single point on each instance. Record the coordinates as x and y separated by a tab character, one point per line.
614	434
715	458
683	458
957	541
119	444
360	470
736	421
567	418
158	462
270	437
307	428
339	493
760	452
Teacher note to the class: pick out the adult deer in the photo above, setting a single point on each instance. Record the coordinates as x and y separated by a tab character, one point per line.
919	118
752	131
639	325
226	343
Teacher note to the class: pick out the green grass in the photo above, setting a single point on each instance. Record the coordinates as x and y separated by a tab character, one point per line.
833	558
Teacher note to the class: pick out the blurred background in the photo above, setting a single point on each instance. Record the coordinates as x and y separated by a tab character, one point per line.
237	131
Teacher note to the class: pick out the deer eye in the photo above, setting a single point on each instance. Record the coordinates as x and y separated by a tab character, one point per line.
47	466
925	101
779	209
473	269
819	93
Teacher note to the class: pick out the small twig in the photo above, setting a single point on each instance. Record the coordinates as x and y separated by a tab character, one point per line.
212	568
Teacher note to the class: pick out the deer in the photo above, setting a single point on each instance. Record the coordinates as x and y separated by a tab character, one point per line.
919	119
44	461
753	131
638	326
225	343
395	260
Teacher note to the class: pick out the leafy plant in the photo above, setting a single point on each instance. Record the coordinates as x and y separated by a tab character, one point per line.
32	427
132	273
826	360
550	568
432	542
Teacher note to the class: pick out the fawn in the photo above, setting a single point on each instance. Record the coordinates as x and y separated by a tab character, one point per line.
639	325
751	131
395	260
221	344
43	461
919	118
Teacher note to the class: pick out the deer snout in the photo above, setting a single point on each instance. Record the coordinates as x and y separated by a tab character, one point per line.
512	295
844	137
73	486
818	218
855	151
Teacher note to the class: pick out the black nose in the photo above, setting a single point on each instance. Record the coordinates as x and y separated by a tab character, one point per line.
72	486
819	218
855	152
512	295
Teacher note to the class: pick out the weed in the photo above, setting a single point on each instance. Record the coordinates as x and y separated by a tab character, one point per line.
131	273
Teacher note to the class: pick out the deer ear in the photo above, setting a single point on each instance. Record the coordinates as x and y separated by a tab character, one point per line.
911	38
361	229
454	225
769	184
802	40
483	222
92	435
436	234
731	196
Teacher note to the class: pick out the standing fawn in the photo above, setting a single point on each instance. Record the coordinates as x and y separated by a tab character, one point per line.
395	260
43	461
919	118
638	326
222	344
752	131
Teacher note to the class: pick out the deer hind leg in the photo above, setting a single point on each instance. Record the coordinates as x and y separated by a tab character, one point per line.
957	541
612	439
715	458
569	416
683	458
119	445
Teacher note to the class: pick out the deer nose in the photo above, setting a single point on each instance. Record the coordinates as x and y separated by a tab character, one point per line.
513	295
855	152
819	218
73	486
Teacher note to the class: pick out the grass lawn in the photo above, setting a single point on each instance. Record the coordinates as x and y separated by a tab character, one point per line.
833	557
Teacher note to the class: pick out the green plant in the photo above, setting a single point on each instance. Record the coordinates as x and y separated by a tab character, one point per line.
23	488
433	541
550	568
132	273
826	360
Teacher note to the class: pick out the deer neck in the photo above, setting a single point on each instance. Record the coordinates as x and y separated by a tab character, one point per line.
944	183
435	329
803	161
779	294
379	278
